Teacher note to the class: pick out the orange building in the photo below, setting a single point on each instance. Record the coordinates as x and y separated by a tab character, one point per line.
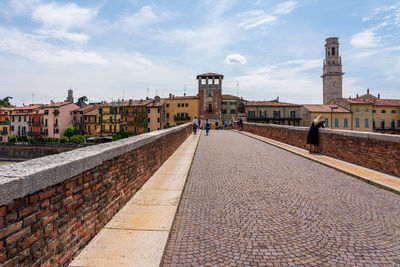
134	116
156	115
4	124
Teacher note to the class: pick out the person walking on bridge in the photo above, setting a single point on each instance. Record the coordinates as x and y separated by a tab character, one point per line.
208	126
195	124
313	134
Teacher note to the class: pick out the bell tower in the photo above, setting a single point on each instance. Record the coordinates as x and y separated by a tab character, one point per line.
210	96
332	75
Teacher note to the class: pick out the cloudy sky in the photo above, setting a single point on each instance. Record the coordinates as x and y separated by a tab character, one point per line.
113	48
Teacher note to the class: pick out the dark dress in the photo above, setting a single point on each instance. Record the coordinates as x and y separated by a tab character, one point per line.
313	133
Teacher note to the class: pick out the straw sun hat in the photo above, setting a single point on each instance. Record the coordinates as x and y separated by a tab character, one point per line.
318	119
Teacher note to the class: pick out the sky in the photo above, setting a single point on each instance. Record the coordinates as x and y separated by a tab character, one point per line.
114	49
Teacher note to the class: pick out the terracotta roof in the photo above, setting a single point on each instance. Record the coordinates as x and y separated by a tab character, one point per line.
58	104
270	104
229	97
156	104
182	97
387	102
85	109
325	108
367	96
137	103
30	107
359	101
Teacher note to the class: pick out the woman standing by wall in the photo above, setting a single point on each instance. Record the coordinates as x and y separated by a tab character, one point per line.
313	134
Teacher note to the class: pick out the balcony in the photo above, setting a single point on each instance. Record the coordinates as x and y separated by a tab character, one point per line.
35	123
6	122
4	133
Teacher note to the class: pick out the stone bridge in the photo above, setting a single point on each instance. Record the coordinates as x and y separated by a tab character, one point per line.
233	198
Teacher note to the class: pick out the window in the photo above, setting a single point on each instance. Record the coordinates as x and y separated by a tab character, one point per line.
12	118
148	130
179	105
393	111
45	122
383	111
210	107
373	124
366	110
46	112
158	119
333	51
392	124
186	114
292	114
277	113
366	123
158	110
336	122
357	123
158	128
357	110
383	124
148	119
233	111
148	111
12	128
345	123
210	93
252	114
134	129
186	104
56	124
167	115
223	111
19	118
100	111
398	123
233	103
224	103
327	122
110	128
111	119
167	105
373	111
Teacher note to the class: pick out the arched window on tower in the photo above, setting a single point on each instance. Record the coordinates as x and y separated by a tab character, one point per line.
333	51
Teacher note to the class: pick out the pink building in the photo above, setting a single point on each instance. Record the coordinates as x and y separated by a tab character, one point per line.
57	116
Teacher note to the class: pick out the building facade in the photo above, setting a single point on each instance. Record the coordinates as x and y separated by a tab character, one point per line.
156	115
210	96
134	116
57	116
180	109
4	124
335	117
19	119
36	119
109	118
332	75
232	108
274	112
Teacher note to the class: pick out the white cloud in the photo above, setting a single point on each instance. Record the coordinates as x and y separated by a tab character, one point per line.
30	46
63	16
235	59
285	8
79	38
256	18
365	39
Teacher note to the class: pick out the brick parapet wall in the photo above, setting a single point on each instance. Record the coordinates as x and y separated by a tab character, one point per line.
52	206
376	151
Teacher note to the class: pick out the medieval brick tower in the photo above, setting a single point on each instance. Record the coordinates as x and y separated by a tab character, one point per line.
332	74
210	96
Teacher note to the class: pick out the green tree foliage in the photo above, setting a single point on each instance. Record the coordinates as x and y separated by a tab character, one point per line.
5	102
70	131
64	139
77	139
81	101
13	138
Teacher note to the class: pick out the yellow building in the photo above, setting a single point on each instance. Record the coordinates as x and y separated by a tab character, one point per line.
180	109
335	117
109	118
386	116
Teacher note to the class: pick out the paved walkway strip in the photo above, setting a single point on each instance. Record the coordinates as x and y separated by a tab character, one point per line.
137	234
380	179
248	203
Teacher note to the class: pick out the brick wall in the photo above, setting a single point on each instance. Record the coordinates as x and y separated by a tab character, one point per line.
376	151
53	219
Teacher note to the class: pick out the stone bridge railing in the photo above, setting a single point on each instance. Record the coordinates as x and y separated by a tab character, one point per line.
52	206
376	151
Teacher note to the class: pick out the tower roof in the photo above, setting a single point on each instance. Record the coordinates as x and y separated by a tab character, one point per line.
209	74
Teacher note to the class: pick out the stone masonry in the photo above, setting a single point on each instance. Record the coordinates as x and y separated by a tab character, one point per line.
264	206
376	151
51	207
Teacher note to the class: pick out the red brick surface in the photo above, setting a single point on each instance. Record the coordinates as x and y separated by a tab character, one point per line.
379	155
48	227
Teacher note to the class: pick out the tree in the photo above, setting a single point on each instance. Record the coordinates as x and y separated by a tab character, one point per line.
5	102
81	101
70	131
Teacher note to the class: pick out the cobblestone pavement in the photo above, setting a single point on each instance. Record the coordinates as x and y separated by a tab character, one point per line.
249	203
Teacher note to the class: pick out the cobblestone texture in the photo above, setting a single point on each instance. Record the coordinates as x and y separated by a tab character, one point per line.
247	203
